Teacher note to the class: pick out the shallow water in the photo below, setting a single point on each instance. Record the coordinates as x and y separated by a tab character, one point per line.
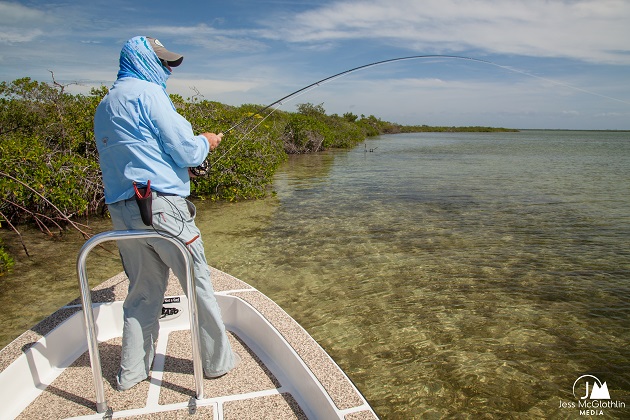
457	274
450	275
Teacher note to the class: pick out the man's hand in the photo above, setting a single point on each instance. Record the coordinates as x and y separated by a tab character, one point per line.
213	139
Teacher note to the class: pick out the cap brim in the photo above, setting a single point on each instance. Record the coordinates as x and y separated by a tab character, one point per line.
173	59
176	61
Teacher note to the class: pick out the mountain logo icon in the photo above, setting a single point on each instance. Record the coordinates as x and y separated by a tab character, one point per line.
592	388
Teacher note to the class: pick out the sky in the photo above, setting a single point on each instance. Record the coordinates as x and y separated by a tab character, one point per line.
551	64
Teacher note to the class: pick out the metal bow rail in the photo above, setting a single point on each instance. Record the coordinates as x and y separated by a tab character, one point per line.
86	301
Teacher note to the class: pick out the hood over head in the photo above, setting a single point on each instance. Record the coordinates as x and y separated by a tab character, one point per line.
138	60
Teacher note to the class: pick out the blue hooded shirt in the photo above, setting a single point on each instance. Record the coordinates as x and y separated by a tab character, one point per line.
139	134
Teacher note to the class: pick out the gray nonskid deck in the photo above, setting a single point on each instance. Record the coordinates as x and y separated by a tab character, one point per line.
169	389
250	391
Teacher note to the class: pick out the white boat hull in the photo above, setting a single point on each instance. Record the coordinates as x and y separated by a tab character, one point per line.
29	375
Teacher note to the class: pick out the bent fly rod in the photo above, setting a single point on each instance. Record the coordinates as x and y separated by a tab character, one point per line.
204	167
343	73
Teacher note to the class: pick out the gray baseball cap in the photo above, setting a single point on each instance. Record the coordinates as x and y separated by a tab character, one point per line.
173	59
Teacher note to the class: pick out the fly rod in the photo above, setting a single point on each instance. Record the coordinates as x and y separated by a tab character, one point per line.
204	167
343	73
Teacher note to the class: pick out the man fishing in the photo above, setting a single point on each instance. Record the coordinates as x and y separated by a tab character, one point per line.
145	151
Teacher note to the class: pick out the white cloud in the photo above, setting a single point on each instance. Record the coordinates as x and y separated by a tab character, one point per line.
22	24
15	13
16	37
236	61
207	87
210	38
436	101
589	30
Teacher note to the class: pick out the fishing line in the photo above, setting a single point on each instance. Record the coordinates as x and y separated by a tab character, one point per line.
305	89
181	218
555	82
203	169
246	134
276	105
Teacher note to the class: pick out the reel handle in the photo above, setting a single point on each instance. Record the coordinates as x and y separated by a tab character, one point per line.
204	168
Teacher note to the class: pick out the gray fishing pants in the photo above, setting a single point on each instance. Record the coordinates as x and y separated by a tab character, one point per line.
146	263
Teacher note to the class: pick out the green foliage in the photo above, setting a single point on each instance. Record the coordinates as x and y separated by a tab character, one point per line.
343	133
311	130
304	134
250	152
49	168
441	129
350	117
6	262
316	111
48	164
373	126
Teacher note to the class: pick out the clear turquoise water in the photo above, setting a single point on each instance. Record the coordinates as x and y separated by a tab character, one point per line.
458	275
